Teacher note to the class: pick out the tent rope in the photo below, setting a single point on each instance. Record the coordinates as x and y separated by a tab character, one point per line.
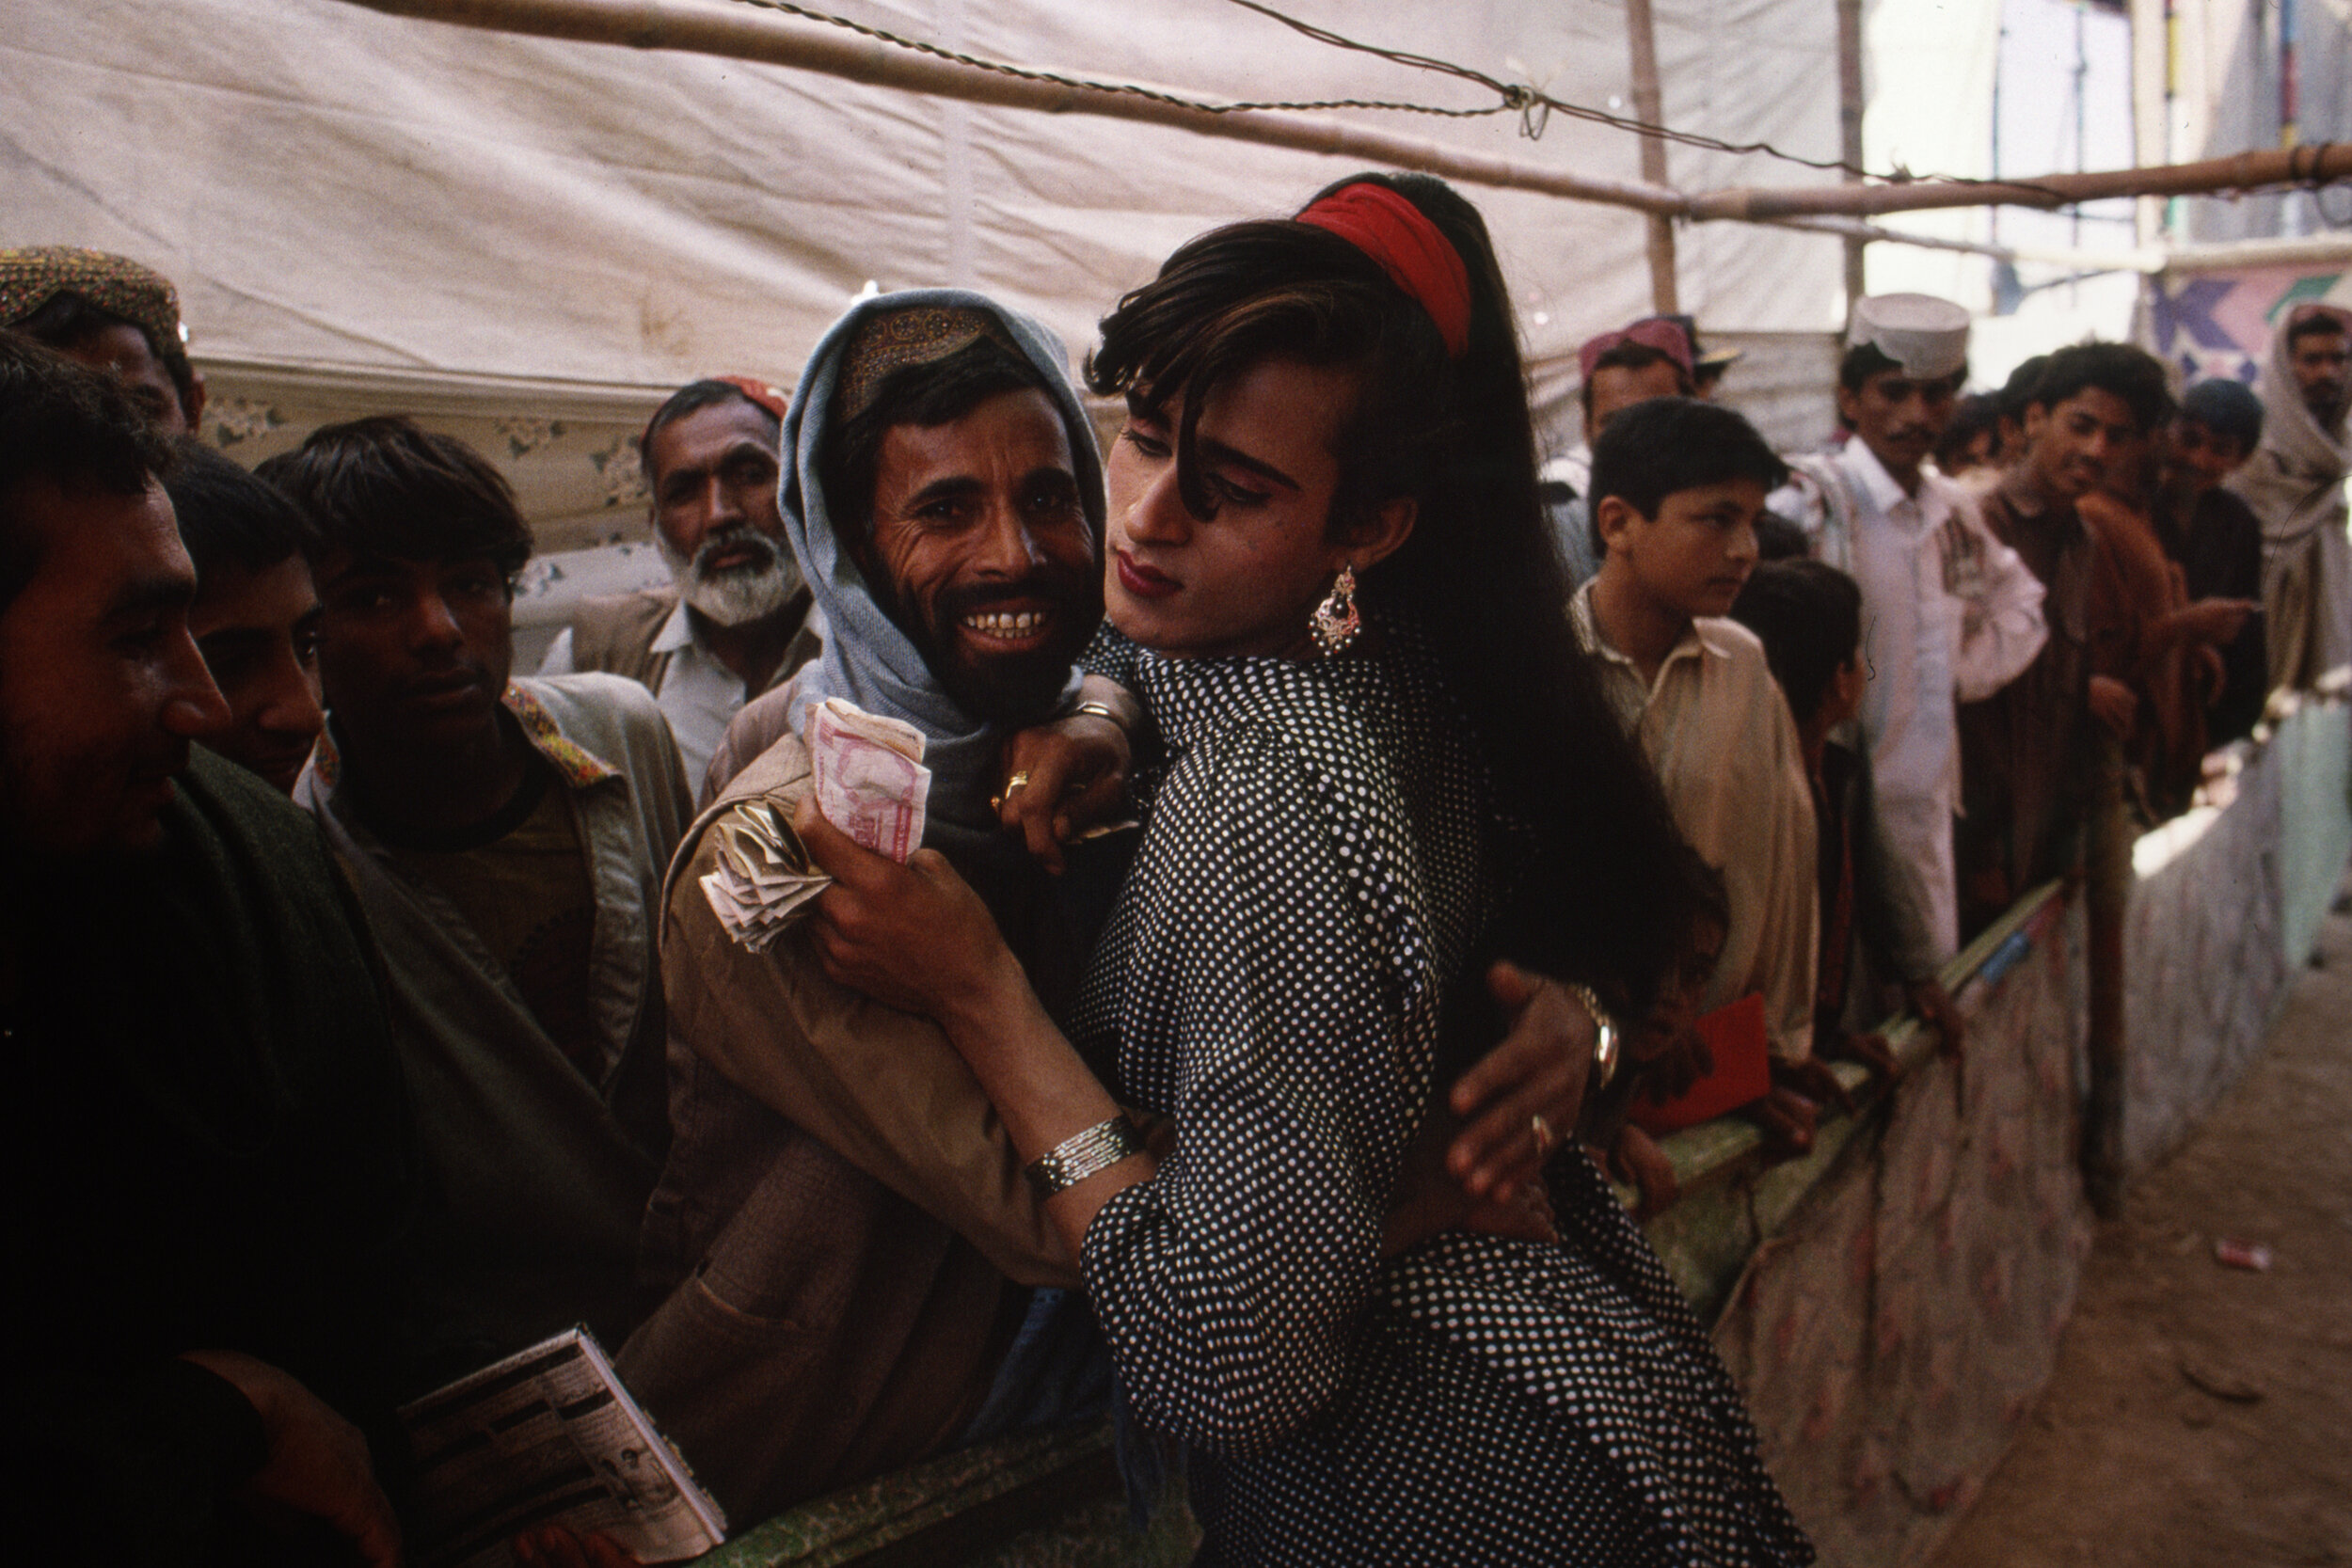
1131	90
1536	106
1533	107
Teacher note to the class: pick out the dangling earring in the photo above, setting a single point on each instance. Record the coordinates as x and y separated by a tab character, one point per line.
1335	621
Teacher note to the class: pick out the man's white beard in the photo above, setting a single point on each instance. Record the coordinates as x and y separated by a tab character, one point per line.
741	594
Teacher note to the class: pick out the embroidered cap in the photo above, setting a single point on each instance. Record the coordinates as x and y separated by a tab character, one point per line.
919	335
32	276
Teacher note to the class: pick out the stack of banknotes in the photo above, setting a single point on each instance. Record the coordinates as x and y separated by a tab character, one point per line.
868	777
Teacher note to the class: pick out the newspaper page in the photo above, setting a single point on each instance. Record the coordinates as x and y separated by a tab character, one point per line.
549	1437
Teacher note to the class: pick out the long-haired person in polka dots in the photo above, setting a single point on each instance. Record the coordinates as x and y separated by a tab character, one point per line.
1382	761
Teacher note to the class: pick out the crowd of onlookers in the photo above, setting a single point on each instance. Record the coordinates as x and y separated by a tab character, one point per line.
1977	609
458	1050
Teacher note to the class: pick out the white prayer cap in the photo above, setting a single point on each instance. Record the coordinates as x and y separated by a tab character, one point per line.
1928	337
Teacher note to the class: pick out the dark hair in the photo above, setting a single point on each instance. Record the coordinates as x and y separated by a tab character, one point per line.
691	398
2018	390
67	424
1808	615
2227	408
1635	356
2131	374
67	319
228	517
2314	324
924	395
1663	445
1777	538
1974	415
383	487
1612	894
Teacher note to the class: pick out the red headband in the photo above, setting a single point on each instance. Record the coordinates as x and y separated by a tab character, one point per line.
1417	258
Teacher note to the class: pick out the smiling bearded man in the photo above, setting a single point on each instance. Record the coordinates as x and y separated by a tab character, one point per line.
945	499
859	1274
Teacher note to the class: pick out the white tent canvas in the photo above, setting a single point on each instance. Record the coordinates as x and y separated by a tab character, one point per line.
530	241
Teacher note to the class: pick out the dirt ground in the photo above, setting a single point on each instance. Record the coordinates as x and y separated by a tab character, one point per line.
2202	1415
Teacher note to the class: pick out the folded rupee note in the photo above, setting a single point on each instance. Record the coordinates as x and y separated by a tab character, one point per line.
869	776
764	876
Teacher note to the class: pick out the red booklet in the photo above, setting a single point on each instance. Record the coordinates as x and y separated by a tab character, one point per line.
1734	1034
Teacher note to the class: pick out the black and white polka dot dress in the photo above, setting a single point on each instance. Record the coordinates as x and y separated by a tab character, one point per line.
1318	863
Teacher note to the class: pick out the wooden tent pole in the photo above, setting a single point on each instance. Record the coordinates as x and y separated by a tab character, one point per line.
2324	164
1849	109
739	32
1641	31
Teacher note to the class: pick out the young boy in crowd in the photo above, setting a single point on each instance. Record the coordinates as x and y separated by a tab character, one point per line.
2028	752
1808	615
507	838
2169	650
1678	485
2216	539
256	615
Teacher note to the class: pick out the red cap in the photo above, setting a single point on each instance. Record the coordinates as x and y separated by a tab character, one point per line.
770	398
1654	332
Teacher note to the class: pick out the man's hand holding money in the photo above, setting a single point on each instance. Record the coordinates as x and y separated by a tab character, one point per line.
867	780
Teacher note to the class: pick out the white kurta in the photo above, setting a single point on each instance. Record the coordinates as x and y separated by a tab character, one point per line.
1950	615
699	695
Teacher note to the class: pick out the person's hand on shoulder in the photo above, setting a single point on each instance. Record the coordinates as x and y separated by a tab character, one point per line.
318	1465
1069	775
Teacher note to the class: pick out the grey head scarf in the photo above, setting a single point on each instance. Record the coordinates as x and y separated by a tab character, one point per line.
867	660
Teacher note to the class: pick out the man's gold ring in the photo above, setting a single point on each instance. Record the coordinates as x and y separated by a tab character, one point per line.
1019	780
1542	1129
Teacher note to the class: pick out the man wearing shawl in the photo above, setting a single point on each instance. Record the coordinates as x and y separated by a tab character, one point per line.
837	1310
2296	484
